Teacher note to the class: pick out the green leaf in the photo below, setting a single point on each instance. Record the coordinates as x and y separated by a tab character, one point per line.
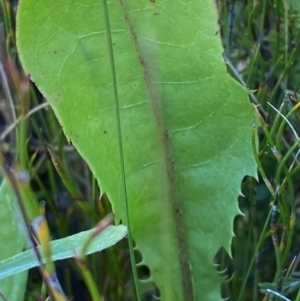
185	124
295	4
12	241
63	248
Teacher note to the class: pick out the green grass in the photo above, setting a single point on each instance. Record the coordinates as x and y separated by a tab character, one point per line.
260	41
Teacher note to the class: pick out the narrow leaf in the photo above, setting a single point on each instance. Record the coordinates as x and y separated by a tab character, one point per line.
63	248
12	241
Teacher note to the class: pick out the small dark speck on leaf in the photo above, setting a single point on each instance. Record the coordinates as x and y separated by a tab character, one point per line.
153	1
105	132
177	211
166	136
55	51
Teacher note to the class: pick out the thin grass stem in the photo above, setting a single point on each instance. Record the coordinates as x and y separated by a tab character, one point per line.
120	140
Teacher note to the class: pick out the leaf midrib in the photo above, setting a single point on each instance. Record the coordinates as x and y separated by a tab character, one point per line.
186	277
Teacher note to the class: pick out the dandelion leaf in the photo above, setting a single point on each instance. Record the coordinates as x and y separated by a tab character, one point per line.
185	123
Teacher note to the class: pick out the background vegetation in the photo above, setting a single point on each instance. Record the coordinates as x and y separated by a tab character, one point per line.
260	39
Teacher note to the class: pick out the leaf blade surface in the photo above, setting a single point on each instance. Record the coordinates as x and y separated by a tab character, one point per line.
186	125
12	241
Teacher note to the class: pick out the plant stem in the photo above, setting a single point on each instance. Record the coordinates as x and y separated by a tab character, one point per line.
120	139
